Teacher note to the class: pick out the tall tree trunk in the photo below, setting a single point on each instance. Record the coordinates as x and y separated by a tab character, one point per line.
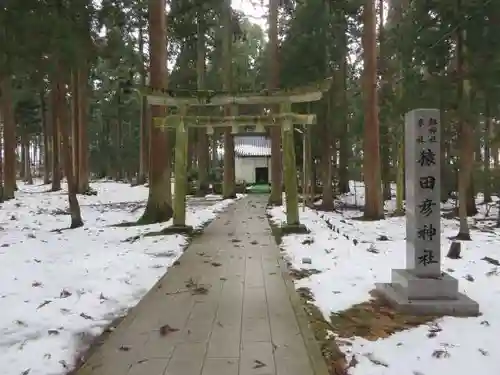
384	92
466	138
118	142
396	10
46	147
374	209
1	171
144	126
215	155
159	205
22	166
75	121
445	149
202	137
494	148
276	196
83	143
471	198
229	188
61	110
9	137
308	187
487	158
55	128
25	144
326	155
343	125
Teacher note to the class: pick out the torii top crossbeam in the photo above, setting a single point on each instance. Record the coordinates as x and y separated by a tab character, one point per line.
210	98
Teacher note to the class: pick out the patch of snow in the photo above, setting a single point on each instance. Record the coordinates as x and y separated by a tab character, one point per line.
58	285
352	258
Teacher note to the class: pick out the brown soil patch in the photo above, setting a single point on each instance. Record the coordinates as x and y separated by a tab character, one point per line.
373	320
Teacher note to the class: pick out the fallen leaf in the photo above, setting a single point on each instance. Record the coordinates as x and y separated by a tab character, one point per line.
483	352
440	353
375	361
258	364
166	329
44	303
85	316
64	294
491	261
469	277
201	290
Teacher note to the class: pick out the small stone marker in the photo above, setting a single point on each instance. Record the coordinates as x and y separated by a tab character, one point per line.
422	288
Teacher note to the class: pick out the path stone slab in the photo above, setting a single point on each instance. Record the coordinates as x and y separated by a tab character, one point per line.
245	324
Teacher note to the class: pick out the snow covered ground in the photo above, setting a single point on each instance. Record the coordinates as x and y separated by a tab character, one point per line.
58	285
352	255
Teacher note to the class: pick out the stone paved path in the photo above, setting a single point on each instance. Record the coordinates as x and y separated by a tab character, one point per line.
250	322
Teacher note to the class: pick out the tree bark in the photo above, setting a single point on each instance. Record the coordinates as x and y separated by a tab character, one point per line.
1	173
276	196
374	209
229	188
25	144
55	128
22	166
83	143
343	170
159	204
326	155
75	121
61	110
9	137
144	126
202	137
466	139
46	146
487	156
384	127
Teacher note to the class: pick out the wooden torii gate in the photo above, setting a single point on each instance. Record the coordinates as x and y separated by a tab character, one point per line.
182	100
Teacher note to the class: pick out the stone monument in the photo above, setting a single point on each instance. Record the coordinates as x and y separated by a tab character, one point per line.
422	288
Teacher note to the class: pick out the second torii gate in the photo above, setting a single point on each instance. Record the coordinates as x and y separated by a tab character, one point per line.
285	118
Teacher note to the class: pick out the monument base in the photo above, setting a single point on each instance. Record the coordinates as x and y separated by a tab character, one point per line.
415	295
